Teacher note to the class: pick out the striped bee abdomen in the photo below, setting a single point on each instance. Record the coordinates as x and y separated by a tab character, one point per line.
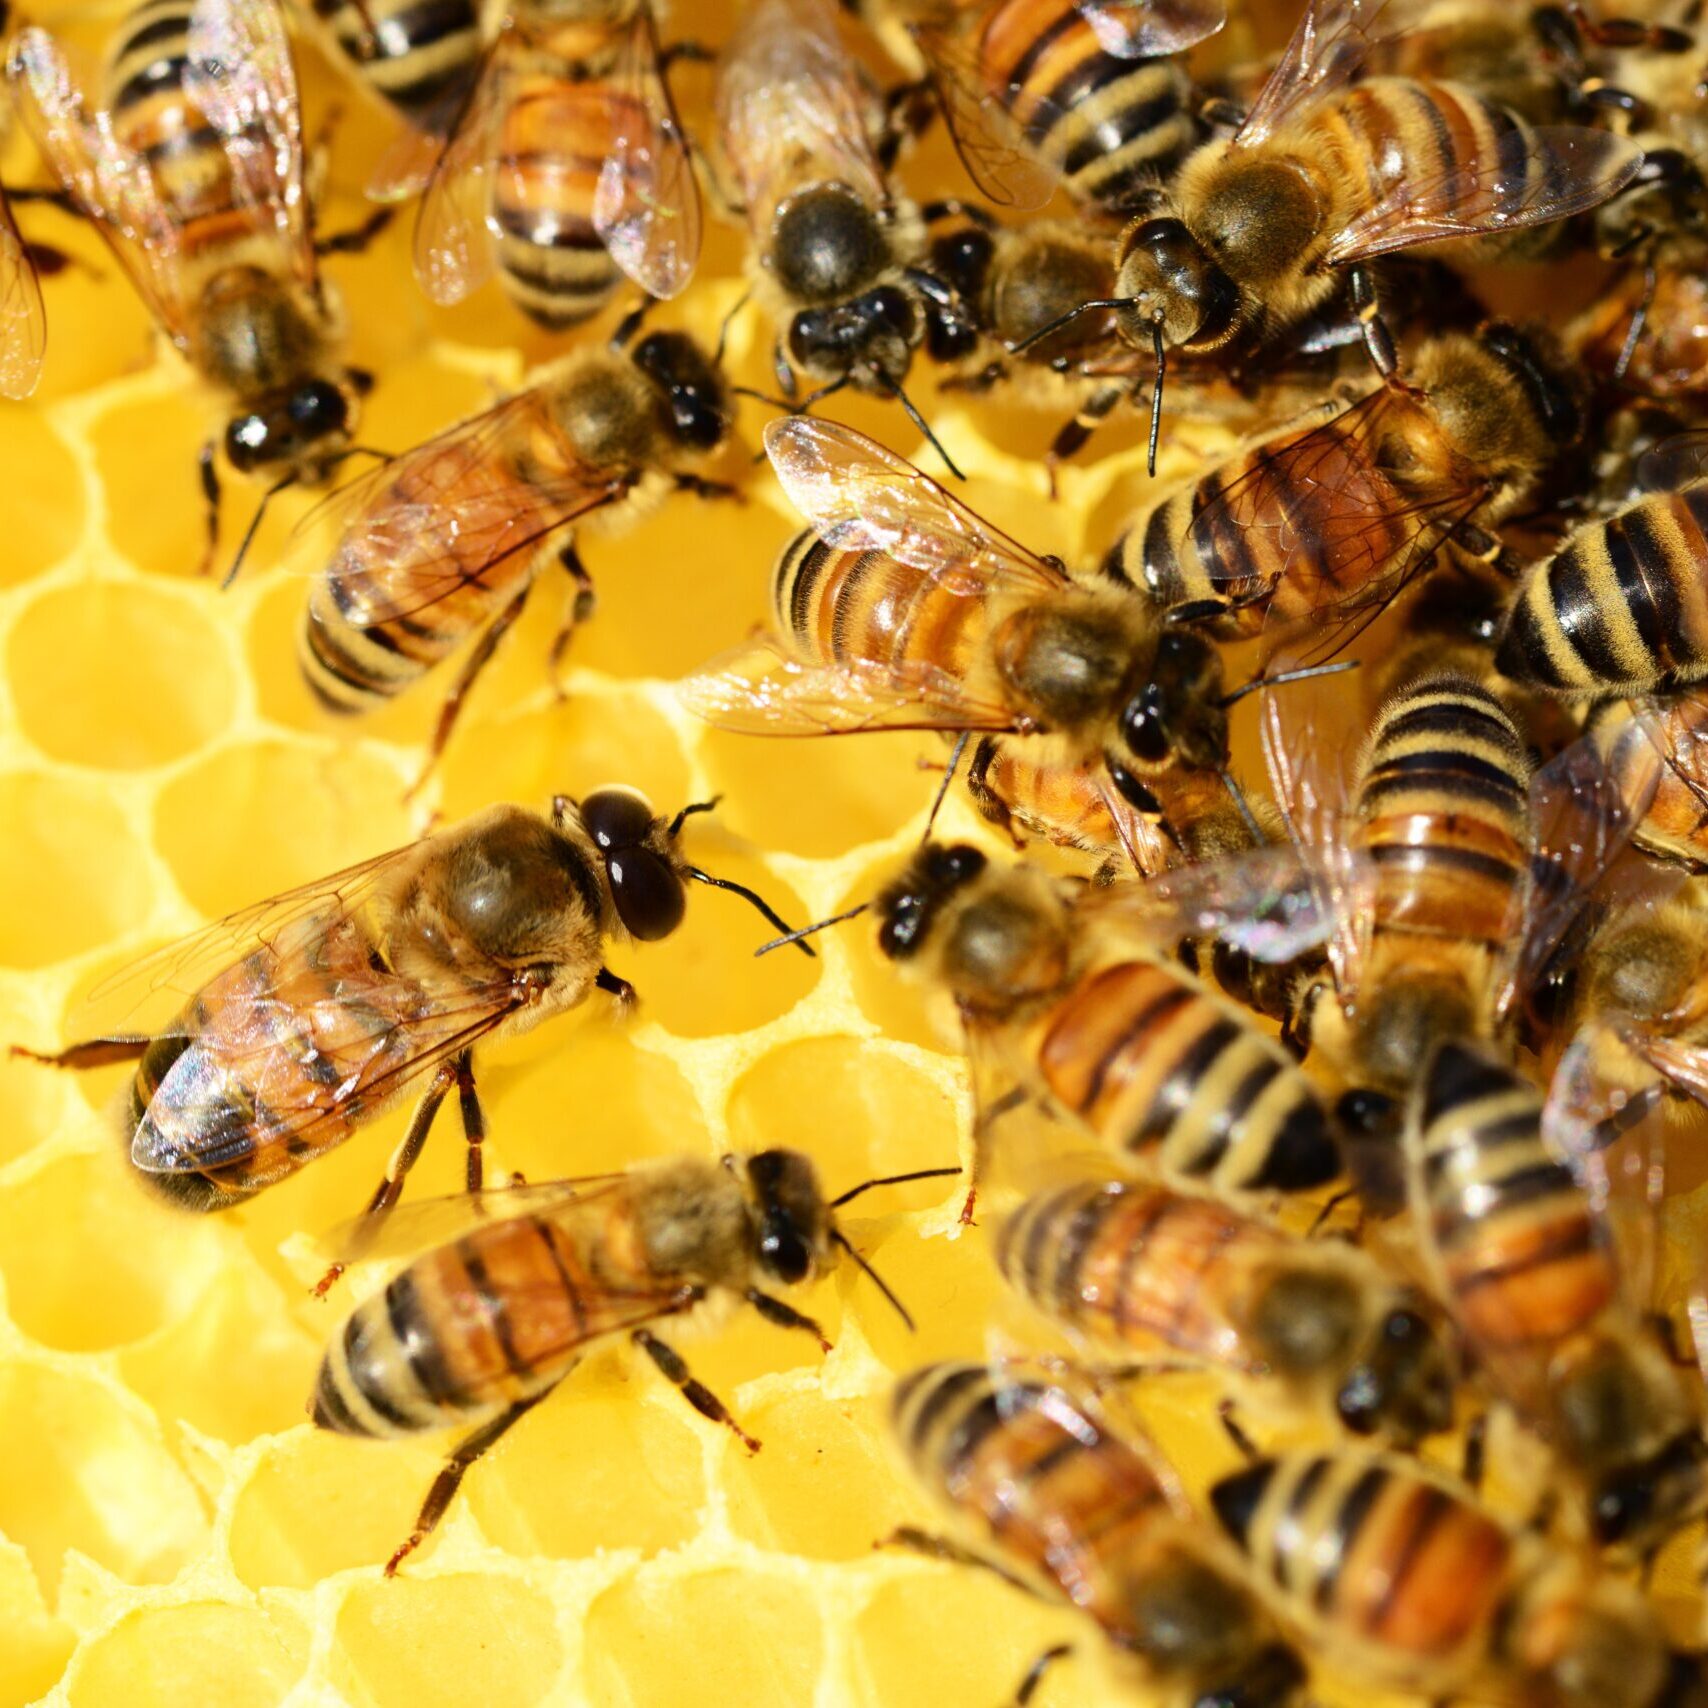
1622	607
1157	1066
466	1330
1372	1553
1112	127
1523	1258
415	53
1443	811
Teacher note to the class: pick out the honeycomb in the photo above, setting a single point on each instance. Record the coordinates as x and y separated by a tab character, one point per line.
172	1531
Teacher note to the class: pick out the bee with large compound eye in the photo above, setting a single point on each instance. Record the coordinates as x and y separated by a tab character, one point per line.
1129	1267
1528	1264
834	245
1106	724
566	169
1321	179
1091	95
306	1016
1064	999
443	544
1050	1496
1409	1583
192	172
479	1329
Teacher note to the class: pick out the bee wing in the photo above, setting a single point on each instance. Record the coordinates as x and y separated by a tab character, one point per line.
647	204
1674	463
368	1040
859	496
1328	46
23	317
426	1222
1147	849
760	689
787	91
1676	726
991	142
1147	29
1583	815
113	185
1529	177
405	166
150	990
454	238
453	508
240	73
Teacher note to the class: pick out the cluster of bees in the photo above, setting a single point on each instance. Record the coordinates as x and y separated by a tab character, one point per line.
1444	972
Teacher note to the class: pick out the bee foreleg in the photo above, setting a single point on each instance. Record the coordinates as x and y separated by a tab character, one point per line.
785	1316
474	1120
709	488
674	1368
1378	340
1035	1672
1076	434
91	1053
209	475
580	609
451	1474
620	988
476	662
919	1541
1227	1414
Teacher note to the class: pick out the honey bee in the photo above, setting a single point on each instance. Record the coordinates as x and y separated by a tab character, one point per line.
309	1014
1521	1256
1065	1001
479	1329
1027	1465
446	541
834	245
23	315
1620	608
1324	177
1087	93
567	168
1132	1266
419	60
1408	1582
1659	744
905	610
192	172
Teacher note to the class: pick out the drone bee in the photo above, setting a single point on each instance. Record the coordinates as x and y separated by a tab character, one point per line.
193	174
567	168
479	1329
1027	1465
1409	1583
1133	1267
308	1015
1325	176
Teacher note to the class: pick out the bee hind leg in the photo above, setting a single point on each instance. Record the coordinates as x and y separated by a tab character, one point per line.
1076	434
674	1368
451	1474
208	474
581	605
90	1053
474	1120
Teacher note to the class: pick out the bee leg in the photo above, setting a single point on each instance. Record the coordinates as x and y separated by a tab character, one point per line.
91	1053
1035	1672
390	1188
209	475
580	609
357	238
992	808
918	1541
474	1119
621	989
986	1119
1076	434
784	371
451	1474
1227	1414
709	488
1475	1460
909	109
952	207
674	1368
1378	340
1323	1216
476	662
785	1316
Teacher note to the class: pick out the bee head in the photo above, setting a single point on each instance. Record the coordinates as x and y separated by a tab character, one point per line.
688	381
633	844
867	340
303	425
1403	1385
1173	711
909	907
791	1220
1174	287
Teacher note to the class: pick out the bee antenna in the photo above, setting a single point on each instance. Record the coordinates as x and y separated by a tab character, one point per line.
948	777
781	403
1285	677
1161	350
841	1239
689	810
757	901
724	325
854	1192
1237	794
809	930
919	421
1072	314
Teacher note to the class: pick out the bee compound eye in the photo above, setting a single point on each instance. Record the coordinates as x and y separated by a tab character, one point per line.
617	818
649	897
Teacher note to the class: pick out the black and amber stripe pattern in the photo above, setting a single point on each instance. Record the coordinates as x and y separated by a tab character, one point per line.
1380	1559
1521	1257
476	1325
1661	756
1622	607
1112	127
416	54
1443	812
1163	1070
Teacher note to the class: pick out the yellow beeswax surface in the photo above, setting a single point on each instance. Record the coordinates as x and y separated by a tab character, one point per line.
172	1531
